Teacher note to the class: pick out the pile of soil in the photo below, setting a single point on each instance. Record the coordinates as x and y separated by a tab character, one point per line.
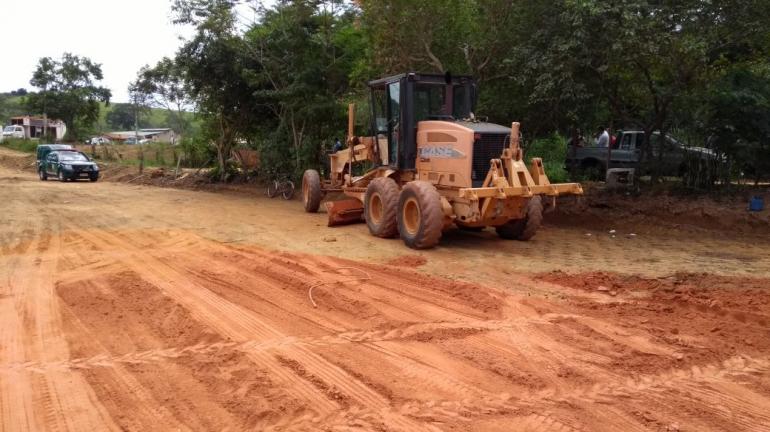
17	161
726	315
189	179
666	209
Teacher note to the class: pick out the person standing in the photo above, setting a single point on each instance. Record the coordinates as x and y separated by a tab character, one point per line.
603	138
337	145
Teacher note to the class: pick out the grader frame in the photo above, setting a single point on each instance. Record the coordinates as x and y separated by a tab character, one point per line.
508	198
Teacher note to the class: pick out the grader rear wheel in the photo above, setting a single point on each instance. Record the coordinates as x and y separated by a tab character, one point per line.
526	228
311	191
381	207
420	217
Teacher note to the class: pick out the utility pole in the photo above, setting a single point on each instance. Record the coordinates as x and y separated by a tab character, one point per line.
45	112
136	133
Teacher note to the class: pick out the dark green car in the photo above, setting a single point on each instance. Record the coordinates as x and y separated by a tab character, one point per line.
68	165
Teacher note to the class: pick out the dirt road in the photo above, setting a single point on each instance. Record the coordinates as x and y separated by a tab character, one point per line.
134	308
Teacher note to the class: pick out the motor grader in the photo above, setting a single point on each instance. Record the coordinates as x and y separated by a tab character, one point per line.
435	165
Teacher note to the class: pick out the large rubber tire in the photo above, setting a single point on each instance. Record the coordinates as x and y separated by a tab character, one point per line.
93	178
524	229
381	207
43	175
420	217
61	176
311	191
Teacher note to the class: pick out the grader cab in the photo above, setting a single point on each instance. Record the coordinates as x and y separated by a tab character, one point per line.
435	165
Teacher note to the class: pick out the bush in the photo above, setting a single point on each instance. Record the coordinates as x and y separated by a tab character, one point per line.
197	151
553	151
24	145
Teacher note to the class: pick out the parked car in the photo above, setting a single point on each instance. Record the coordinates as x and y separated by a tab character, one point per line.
627	151
69	165
13	131
133	140
98	141
44	149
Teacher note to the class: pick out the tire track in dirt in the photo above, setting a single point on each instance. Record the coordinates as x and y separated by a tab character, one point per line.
53	400
17	405
605	391
147	411
694	379
419	330
417	371
240	324
63	395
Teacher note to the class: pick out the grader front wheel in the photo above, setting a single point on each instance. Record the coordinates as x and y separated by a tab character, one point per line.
526	228
420	216
311	191
381	207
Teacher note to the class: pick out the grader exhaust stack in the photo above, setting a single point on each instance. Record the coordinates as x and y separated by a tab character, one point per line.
433	166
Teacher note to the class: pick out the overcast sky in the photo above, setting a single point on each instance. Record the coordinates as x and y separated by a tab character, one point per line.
121	35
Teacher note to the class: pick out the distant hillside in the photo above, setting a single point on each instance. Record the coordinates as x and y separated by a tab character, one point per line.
10	106
155	118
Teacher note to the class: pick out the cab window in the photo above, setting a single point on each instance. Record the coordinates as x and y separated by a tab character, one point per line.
380	102
461	102
394	121
429	102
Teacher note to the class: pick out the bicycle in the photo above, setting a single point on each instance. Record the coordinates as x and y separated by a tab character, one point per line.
281	186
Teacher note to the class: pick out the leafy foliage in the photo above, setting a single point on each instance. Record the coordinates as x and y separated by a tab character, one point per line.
739	119
122	117
69	91
281	84
553	151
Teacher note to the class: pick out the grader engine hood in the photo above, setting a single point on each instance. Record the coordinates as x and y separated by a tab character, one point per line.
457	154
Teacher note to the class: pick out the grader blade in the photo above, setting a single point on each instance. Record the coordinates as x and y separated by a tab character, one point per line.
344	212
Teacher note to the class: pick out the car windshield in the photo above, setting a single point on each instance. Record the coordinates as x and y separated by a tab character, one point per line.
73	157
9	129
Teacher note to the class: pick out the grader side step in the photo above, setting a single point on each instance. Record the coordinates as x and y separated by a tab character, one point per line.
344	212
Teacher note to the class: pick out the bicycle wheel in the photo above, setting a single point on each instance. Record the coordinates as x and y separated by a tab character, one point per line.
272	188
288	190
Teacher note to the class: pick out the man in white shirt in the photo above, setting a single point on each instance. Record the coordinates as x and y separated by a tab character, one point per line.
603	140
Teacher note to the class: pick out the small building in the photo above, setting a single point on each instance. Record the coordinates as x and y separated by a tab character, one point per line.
165	135
34	127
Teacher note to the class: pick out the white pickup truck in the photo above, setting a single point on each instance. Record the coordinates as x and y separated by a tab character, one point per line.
13	131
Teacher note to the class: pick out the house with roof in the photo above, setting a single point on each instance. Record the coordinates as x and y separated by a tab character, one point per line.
35	127
166	135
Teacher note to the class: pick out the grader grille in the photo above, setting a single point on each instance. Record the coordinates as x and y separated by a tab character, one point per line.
486	147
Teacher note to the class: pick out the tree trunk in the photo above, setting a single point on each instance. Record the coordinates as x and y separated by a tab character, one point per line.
297	132
223	147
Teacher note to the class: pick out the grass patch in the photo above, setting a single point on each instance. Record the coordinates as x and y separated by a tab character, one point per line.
155	154
22	145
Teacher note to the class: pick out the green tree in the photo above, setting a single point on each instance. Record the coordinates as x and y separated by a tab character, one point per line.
214	64
458	36
121	117
69	91
306	51
164	86
738	118
638	59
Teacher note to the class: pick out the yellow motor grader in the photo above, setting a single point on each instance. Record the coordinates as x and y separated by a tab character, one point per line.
434	166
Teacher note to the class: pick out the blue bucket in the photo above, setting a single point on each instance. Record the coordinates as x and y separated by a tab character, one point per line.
757	204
